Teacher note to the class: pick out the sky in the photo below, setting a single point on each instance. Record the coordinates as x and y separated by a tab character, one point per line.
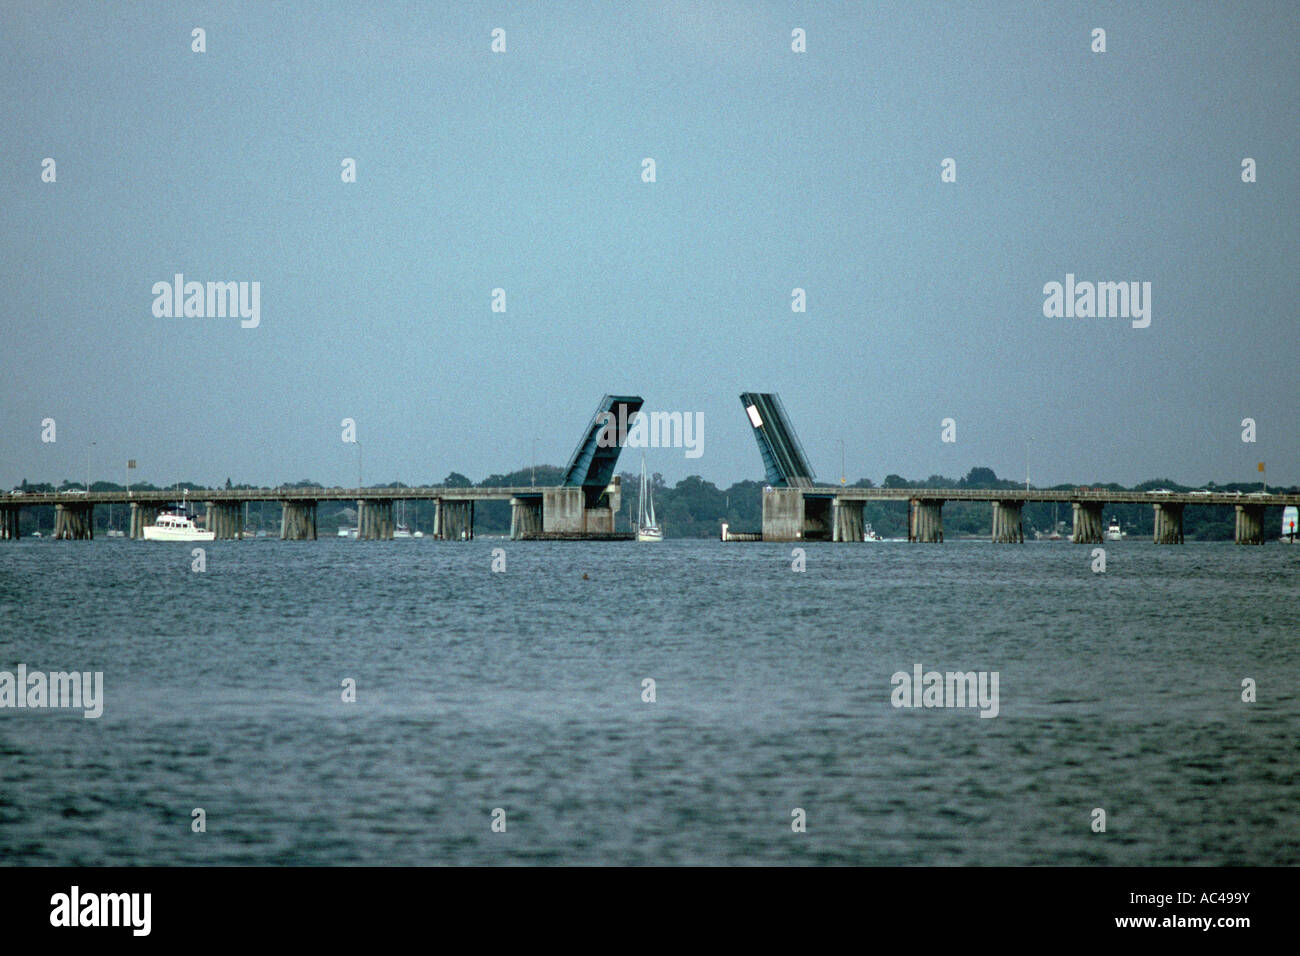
523	171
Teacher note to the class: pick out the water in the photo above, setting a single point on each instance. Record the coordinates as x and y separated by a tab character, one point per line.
522	690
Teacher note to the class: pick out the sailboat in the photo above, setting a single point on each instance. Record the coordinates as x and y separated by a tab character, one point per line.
402	531
647	529
1290	524
113	532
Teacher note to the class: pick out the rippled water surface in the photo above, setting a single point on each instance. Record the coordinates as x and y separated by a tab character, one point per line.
522	690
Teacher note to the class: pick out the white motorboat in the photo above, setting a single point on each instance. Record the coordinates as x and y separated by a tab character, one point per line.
1114	532
176	526
871	534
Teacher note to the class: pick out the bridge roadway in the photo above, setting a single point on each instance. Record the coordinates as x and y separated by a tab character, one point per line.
796	508
1066	495
282	493
555	512
504	493
792	513
807	512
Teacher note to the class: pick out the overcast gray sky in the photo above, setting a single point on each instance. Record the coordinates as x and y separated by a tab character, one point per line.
522	170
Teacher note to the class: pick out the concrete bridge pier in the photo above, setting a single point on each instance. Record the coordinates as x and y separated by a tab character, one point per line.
525	518
925	521
1250	524
9	524
1007	525
142	515
846	520
579	511
298	521
226	520
1168	523
76	522
374	520
783	514
1087	522
456	520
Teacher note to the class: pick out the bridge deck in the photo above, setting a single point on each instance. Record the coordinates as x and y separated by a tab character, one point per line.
223	496
1066	495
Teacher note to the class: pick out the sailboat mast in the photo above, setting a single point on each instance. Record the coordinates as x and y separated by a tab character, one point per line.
640	498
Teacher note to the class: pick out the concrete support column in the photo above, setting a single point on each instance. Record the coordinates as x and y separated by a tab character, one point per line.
563	511
925	524
525	518
9	524
74	522
223	519
298	520
783	514
598	520
846	520
1007	525
230	521
1250	524
458	520
1168	523
1087	522
374	520
141	516
144	515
